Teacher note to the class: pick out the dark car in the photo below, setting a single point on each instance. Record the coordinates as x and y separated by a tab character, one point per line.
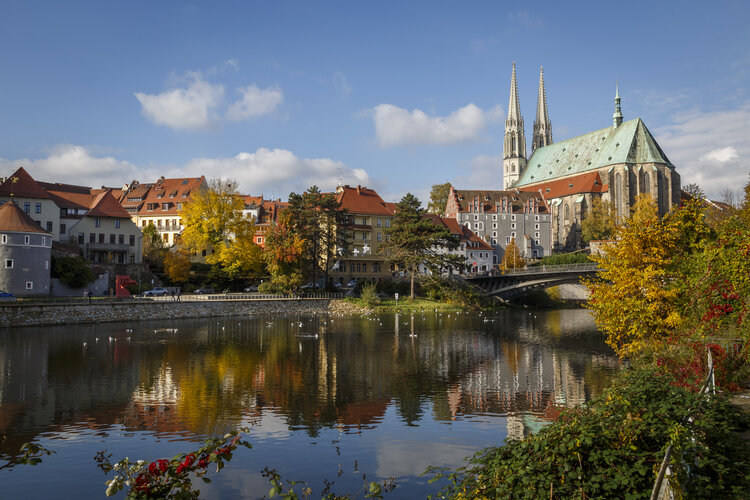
251	288
205	290
7	296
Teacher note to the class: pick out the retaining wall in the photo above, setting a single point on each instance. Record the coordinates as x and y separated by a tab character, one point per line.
103	311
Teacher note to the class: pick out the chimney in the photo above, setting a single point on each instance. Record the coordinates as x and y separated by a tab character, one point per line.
358	188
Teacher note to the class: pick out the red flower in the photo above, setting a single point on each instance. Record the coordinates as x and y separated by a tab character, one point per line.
157	467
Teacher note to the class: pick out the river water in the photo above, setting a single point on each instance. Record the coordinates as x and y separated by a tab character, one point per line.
325	397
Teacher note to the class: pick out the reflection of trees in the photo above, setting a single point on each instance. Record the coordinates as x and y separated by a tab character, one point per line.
211	374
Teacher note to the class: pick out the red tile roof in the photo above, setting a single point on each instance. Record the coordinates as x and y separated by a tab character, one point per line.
464	233
14	219
464	200
105	205
21	184
361	200
171	191
589	182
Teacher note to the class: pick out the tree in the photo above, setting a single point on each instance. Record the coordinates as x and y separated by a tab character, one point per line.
283	254
73	271
153	245
177	265
316	219
633	299
600	222
439	198
512	258
415	240
213	219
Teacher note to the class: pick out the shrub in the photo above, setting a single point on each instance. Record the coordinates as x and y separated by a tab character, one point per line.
268	287
369	294
565	258
73	271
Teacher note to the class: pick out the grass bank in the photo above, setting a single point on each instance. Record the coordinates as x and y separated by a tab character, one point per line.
408	305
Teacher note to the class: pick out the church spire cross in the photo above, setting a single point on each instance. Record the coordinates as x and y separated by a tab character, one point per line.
514	108
542	125
617	116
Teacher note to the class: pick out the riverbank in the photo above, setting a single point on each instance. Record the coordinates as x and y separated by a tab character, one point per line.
47	314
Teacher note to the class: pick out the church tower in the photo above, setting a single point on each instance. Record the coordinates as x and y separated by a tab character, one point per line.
542	125
514	145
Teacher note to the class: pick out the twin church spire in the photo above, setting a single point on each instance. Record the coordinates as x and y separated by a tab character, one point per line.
514	144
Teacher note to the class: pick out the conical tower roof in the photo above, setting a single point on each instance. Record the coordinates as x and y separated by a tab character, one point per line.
13	219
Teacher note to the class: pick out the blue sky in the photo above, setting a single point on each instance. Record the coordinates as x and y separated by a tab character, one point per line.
392	95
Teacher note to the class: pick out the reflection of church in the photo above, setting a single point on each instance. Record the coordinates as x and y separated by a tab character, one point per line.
615	164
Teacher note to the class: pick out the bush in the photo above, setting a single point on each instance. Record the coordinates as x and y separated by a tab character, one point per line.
268	287
369	294
613	448
73	271
565	258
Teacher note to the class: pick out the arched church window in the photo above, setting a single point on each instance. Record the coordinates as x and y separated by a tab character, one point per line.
646	183
567	214
618	193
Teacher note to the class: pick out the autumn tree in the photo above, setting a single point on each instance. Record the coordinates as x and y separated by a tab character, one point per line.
633	299
415	240
283	254
439	198
153	245
213	219
600	222
177	265
512	258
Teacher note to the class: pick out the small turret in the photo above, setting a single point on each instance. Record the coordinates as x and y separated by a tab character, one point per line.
617	116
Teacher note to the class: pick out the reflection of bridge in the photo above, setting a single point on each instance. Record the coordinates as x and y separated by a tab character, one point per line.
515	282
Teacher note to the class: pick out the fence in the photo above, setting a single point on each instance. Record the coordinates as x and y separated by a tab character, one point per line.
662	489
248	296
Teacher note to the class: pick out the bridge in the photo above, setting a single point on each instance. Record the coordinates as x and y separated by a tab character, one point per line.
516	282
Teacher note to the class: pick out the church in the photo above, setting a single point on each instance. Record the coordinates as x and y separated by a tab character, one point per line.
616	164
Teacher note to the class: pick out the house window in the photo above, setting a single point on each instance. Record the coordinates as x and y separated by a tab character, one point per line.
359	267
80	238
476	217
259	240
97	222
165	206
494	217
376	268
117	223
101	238
536	217
512	217
494	234
27	207
387	237
378	222
536	235
4	239
507	240
37	208
364	236
92	238
44	240
8	263
179	205
512	235
364	267
387	224
121	239
503	217
513	225
46	264
166	237
26	239
143	223
49	226
536	226
29	285
494	225
132	240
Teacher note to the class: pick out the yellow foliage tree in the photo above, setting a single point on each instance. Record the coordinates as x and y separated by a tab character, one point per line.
283	254
177	265
633	299
512	258
213	219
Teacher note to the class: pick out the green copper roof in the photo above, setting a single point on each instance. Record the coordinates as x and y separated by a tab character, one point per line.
631	143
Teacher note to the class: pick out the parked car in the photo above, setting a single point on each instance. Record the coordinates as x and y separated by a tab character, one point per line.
351	284
7	296
337	285
205	290
310	286
156	292
251	288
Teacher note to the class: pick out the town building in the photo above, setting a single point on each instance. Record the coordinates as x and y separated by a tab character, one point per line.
476	253
25	253
160	203
33	200
265	213
498	217
366	218
615	164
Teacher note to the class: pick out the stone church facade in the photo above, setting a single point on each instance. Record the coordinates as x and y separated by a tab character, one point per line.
615	164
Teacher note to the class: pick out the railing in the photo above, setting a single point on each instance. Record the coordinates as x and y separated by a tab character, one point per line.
662	489
248	296
558	268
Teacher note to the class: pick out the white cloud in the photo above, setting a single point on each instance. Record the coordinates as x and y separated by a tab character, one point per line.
396	126
255	102
73	164
481	172
190	108
721	155
271	172
710	148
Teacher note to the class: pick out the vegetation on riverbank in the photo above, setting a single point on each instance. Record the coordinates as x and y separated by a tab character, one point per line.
613	446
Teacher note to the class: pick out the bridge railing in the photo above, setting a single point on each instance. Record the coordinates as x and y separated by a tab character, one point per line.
558	268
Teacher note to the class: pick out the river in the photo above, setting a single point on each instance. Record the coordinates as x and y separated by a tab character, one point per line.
325	397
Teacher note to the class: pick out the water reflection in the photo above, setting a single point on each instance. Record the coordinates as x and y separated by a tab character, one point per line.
303	375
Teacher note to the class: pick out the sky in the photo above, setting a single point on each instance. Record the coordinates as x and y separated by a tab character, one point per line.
392	95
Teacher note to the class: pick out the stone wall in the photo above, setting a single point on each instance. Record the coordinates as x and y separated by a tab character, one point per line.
103	311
